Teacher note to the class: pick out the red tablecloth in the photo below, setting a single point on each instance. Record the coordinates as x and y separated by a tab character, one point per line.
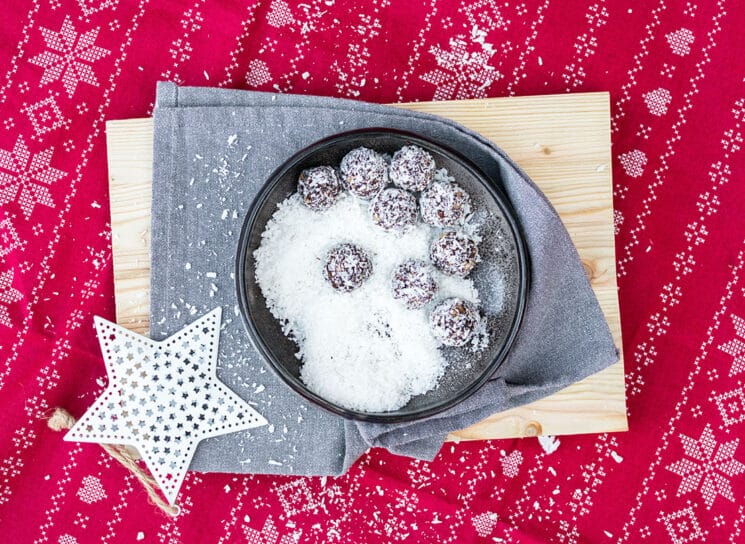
675	72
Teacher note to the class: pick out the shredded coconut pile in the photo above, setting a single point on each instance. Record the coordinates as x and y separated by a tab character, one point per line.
363	350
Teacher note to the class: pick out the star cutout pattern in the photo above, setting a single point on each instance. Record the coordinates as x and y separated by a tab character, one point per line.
736	346
708	466
69	56
163	398
26	179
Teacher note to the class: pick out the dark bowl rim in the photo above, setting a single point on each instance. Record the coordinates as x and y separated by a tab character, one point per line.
294	383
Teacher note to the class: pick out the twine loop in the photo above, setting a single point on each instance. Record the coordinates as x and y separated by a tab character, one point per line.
62	420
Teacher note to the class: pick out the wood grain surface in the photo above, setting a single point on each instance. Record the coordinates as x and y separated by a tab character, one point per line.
561	141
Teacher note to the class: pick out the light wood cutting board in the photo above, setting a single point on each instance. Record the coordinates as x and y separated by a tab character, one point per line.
561	141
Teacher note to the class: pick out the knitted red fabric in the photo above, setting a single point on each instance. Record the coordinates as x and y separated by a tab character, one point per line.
675	73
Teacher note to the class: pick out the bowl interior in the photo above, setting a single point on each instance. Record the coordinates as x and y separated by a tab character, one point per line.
500	277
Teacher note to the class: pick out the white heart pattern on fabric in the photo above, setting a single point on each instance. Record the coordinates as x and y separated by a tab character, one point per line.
91	490
484	523
258	73
634	162
279	14
511	464
680	41
657	101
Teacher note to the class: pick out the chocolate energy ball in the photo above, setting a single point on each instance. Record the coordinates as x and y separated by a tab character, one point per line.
413	284
394	210
347	267
454	321
454	253
319	187
364	172
444	204
412	168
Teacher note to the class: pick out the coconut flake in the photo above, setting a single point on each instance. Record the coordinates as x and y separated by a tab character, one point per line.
363	350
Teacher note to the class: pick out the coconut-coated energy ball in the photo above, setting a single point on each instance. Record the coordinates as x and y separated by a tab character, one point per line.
319	187
454	321
412	168
347	267
444	204
413	284
454	253
364	172
394	210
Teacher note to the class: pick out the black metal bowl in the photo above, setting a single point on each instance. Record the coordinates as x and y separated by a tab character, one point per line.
502	251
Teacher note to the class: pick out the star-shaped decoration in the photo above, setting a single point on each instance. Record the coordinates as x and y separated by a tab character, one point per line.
163	398
69	56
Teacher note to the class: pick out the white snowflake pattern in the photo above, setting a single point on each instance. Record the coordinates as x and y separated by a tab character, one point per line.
69	56
736	346
461	73
26	179
8	295
708	466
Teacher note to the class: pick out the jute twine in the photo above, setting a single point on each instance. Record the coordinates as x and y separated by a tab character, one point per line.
62	420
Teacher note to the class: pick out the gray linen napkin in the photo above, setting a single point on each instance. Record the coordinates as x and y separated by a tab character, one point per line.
213	150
